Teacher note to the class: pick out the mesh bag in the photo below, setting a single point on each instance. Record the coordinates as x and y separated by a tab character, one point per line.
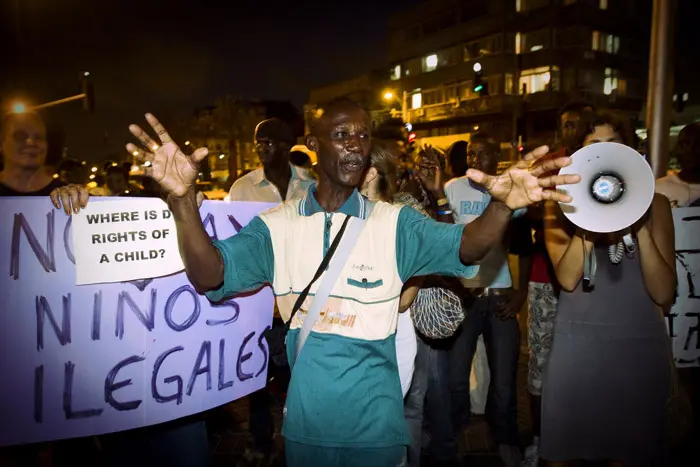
437	312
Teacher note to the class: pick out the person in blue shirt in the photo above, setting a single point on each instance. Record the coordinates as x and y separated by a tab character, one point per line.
492	311
344	405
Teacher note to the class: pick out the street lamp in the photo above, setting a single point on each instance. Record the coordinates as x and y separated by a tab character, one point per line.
19	108
388	95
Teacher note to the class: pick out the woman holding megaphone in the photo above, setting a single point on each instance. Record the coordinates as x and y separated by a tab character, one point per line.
608	382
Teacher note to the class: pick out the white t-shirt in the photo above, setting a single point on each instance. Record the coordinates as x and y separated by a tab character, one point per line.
255	187
406	348
678	192
468	202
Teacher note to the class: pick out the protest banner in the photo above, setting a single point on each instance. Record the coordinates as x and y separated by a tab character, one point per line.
125	239
684	318
92	359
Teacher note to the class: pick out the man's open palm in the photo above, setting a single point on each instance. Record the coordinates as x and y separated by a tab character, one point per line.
166	164
528	181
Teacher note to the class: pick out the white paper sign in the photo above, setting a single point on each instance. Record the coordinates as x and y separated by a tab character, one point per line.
125	239
684	318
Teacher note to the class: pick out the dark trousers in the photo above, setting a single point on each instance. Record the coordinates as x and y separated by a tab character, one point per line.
180	443
428	400
502	341
262	426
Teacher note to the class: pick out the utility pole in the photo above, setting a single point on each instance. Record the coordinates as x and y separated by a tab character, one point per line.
660	87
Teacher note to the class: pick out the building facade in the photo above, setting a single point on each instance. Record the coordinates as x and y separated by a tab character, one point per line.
531	57
507	66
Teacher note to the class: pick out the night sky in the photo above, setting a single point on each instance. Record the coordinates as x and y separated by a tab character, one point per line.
172	56
169	57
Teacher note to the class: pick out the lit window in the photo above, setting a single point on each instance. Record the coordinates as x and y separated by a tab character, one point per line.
610	83
509	83
517	43
609	41
604	42
395	73
686	96
416	100
430	63
603	4
532	41
596	40
535	80
530	5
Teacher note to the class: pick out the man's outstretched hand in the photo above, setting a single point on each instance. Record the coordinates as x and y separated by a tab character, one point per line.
172	169
528	181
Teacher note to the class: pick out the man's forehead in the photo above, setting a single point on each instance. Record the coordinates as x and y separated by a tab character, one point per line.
480	145
345	114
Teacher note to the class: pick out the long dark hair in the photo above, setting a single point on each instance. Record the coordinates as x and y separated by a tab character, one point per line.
383	160
620	125
457	158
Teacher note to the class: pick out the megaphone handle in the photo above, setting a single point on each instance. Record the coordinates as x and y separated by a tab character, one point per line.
630	246
589	264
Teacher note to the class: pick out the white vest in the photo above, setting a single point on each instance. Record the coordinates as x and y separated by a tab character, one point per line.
364	302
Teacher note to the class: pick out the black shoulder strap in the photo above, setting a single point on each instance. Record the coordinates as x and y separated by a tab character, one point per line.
322	267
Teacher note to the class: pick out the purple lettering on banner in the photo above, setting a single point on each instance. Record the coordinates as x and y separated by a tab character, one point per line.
227	304
147	319
39	394
111	386
170	303
177	396
68	373
223	384
262	345
209	220
68	397
140	284
43	309
67	242
243	357
97	316
203	356
236	225
45	256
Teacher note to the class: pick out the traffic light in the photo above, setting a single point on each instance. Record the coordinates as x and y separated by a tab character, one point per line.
88	90
411	140
480	86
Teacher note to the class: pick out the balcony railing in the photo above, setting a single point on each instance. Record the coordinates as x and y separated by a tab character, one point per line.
462	108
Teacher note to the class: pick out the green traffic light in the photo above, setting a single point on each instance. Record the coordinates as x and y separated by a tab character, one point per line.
479	88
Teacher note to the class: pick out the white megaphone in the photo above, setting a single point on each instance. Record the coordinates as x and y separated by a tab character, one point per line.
616	187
